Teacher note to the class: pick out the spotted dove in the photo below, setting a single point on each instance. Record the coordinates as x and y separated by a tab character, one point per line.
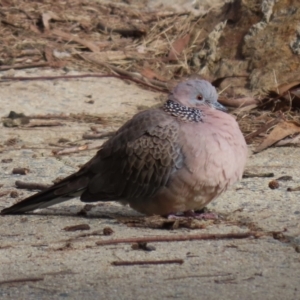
165	160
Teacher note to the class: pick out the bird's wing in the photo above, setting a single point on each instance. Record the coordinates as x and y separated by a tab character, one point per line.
137	161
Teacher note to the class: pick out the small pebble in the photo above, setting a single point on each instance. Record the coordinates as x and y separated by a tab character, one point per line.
20	171
142	246
14	194
6	160
107	231
274	184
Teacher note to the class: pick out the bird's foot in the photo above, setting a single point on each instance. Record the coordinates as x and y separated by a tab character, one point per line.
200	215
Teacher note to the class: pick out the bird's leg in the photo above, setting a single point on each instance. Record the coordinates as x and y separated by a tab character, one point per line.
198	214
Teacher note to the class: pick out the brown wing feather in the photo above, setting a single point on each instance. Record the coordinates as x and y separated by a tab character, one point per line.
137	161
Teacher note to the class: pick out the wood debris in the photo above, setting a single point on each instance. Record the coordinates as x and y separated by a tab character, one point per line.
20	171
156	48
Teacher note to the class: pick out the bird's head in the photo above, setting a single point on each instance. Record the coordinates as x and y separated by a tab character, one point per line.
195	93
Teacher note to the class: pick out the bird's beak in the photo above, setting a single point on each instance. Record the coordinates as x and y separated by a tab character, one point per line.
219	106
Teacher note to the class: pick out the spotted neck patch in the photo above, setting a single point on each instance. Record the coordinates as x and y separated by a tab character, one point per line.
182	112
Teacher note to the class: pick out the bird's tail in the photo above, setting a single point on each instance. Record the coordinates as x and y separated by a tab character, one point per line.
65	190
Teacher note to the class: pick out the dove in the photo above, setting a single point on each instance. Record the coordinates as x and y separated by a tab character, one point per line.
168	160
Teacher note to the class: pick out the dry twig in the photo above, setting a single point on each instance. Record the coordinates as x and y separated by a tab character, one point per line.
264	128
77	227
125	75
261	175
76	149
22	280
20	171
136	33
25	66
238	102
69	37
136	77
43	123
95	136
148	262
295	189
179	238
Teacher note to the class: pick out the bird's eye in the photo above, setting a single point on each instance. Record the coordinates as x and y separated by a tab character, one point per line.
199	97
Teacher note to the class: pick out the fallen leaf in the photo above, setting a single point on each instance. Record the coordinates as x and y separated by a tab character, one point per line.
282	130
150	74
85	25
29	52
283	88
295	141
238	102
49	54
34	28
249	137
177	47
48	16
292	98
114	55
69	37
61	54
239	110
284	96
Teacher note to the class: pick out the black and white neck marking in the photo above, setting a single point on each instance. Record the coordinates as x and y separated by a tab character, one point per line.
182	112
